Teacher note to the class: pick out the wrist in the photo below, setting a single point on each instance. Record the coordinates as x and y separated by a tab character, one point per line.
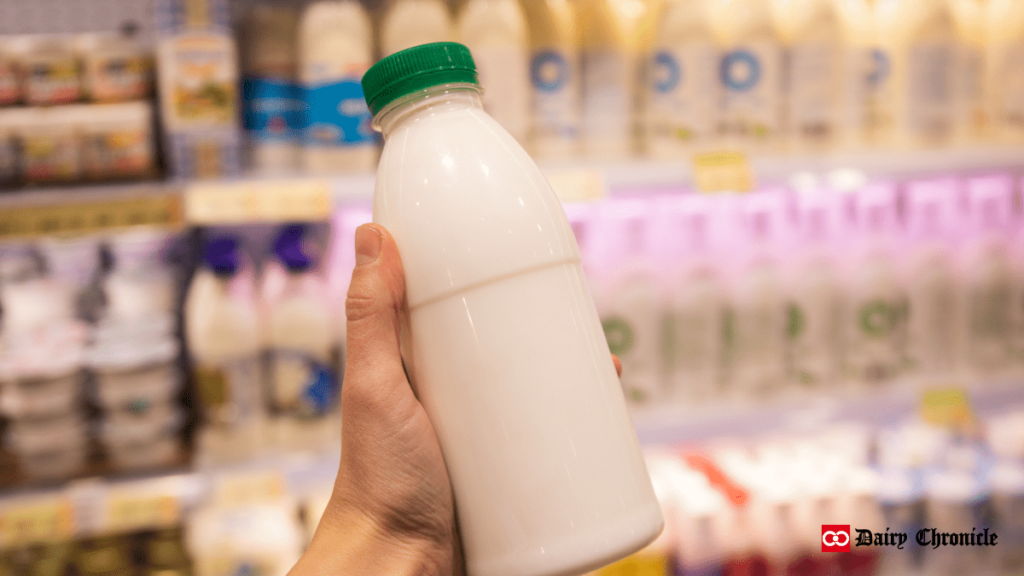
351	543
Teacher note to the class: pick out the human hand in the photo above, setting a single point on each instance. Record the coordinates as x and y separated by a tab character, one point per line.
392	510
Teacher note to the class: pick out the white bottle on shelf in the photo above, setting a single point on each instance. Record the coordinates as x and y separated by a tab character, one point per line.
335	50
222	333
865	74
750	73
493	275
554	79
682	82
270	99
920	40
812	76
409	23
1004	30
302	384
608	61
495	32
970	118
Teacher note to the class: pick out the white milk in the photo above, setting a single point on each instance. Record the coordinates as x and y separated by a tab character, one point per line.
970	117
300	343
222	333
495	32
554	79
410	23
546	468
919	96
270	95
608	61
865	73
682	87
751	72
812	76
335	49
1004	29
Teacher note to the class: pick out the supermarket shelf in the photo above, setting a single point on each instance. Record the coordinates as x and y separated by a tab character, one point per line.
886	407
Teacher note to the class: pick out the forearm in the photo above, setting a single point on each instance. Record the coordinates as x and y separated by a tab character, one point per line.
350	544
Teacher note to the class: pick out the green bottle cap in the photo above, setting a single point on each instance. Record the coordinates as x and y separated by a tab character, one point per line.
415	69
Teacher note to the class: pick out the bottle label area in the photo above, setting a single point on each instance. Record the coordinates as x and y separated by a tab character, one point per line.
300	385
273	109
336	115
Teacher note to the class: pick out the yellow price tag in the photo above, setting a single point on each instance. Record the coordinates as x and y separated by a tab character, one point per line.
947	407
637	565
243	202
45	520
130	511
578	185
243	488
90	216
722	172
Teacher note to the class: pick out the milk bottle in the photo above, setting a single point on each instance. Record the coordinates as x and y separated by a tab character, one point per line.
681	86
270	95
493	276
750	72
1004	28
554	79
865	72
970	117
812	75
412	22
300	343
608	62
222	333
495	32
335	49
918	98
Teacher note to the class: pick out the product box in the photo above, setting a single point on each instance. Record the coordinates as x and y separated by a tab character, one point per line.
197	75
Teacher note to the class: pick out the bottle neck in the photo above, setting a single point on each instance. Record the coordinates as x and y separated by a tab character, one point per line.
426	103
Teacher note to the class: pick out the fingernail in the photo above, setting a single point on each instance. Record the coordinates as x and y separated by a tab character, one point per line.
368	241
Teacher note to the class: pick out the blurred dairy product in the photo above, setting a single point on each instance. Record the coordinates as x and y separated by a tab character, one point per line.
335	50
1004	85
970	118
51	72
137	440
261	538
681	86
919	96
117	141
50	145
809	31
409	23
866	71
223	337
518	291
49	447
115	67
876	315
11	49
495	32
934	325
554	79
608	64
270	95
750	72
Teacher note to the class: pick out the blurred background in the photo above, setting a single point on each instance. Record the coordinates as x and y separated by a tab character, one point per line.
800	220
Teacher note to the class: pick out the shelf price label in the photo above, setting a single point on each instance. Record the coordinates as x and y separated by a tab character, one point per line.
722	172
79	217
949	407
249	487
247	202
637	565
131	511
48	519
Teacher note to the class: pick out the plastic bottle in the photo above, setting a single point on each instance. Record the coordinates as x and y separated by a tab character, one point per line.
409	23
750	72
866	71
989	279
970	118
629	297
261	538
335	49
816	291
756	334
1004	86
222	334
919	97
554	79
933	286
812	76
956	503
876	316
491	265
1008	502
902	498
608	61
682	87
698	305
495	32
270	98
302	384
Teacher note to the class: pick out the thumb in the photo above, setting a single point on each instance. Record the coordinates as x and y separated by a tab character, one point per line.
372	310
